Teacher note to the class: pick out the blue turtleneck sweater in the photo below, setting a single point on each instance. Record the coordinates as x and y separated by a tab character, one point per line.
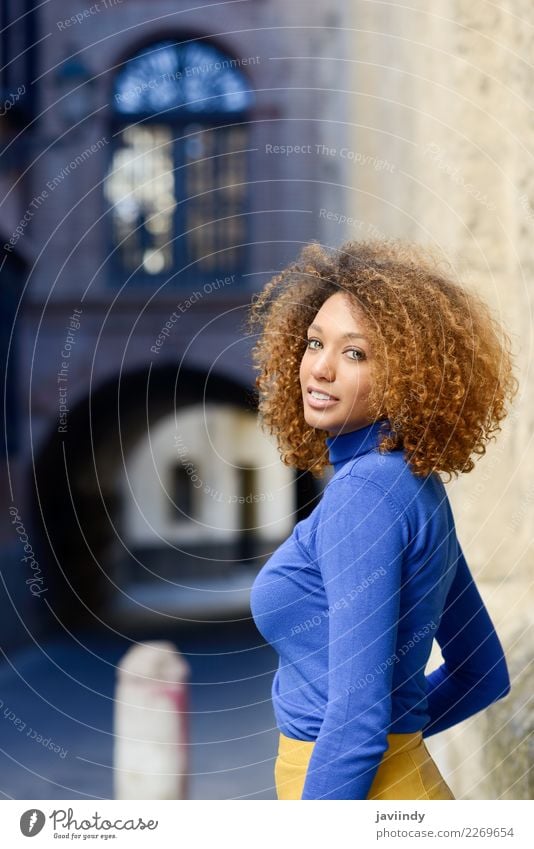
352	601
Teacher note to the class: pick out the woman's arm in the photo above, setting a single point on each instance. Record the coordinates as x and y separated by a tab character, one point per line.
474	673
359	545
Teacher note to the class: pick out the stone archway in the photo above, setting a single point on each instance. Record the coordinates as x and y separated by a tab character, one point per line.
79	508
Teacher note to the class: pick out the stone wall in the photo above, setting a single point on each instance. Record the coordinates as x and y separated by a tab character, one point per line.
444	94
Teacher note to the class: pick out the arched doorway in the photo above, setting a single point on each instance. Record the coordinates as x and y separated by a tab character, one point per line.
119	504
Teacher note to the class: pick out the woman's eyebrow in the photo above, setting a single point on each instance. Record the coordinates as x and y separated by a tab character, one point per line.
344	336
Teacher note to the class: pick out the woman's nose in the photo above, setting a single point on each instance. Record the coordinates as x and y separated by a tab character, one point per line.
322	367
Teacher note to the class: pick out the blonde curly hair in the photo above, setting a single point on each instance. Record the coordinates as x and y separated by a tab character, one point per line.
441	370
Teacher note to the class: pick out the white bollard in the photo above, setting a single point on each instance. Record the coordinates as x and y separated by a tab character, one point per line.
150	759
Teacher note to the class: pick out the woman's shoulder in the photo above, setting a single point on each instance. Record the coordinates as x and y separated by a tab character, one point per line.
382	470
414	497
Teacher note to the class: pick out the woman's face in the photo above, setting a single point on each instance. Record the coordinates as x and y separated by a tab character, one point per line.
336	363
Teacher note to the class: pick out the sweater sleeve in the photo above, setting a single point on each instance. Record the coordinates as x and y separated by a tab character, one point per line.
359	545
474	673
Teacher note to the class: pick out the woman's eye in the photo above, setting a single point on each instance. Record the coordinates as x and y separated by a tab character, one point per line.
359	355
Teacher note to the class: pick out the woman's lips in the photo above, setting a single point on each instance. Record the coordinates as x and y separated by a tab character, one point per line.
318	404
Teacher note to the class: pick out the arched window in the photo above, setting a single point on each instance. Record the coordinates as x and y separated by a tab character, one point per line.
177	183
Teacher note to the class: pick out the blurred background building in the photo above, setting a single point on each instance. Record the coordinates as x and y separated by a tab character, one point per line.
158	164
143	200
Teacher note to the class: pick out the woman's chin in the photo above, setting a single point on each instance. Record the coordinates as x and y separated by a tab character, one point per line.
320	422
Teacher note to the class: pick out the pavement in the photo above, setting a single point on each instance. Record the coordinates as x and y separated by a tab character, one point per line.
56	714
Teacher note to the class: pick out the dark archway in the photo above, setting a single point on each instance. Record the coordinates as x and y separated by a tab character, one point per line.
74	492
15	599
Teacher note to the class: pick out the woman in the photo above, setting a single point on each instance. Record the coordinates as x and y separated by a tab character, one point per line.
374	361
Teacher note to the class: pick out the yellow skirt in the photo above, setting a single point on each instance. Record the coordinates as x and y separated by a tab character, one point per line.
406	770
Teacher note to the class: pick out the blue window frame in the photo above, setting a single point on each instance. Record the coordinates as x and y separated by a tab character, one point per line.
177	184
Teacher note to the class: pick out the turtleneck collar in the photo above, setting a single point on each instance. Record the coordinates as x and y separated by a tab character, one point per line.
344	446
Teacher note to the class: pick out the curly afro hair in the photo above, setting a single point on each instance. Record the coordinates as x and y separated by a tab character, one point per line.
441	365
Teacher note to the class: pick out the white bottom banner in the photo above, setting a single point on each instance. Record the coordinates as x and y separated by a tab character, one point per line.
250	823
